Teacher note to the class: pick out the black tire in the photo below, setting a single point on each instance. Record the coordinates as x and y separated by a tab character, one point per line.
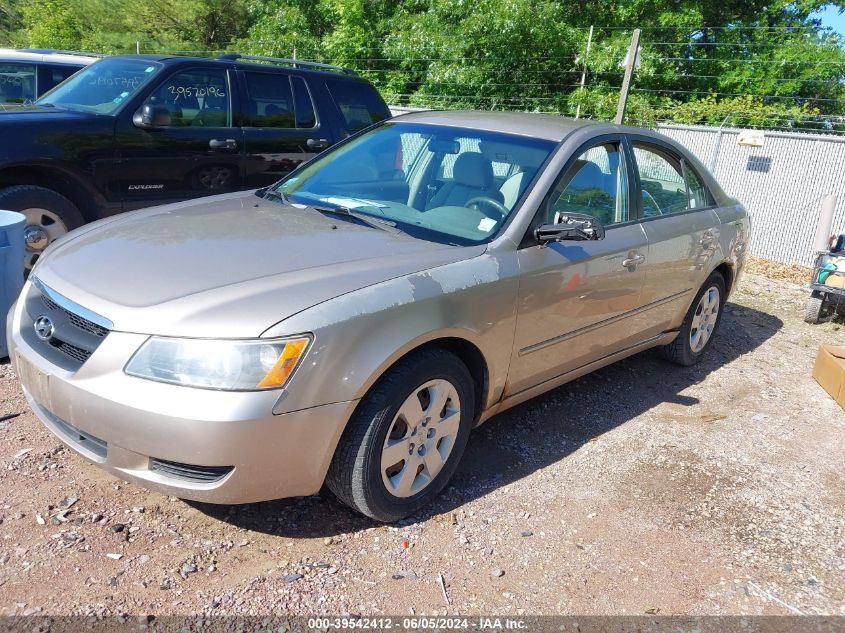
355	475
814	307
680	350
23	197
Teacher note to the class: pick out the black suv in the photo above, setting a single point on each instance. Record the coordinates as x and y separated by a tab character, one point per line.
133	131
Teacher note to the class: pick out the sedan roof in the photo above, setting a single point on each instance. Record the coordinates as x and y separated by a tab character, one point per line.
548	126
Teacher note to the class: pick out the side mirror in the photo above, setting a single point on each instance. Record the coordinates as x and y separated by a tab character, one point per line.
152	116
570	226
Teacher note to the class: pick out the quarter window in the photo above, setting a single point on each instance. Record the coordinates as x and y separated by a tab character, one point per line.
195	98
699	197
596	184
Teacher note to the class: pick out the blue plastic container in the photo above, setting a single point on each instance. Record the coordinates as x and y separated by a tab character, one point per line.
11	267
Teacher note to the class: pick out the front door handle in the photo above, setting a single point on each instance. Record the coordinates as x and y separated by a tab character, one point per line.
633	261
317	143
228	143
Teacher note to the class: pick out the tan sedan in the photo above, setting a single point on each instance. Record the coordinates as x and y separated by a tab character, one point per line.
352	323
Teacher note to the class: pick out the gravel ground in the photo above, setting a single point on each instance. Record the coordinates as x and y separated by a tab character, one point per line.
642	488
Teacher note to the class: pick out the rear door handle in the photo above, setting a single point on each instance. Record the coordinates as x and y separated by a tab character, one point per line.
317	143
633	261
228	143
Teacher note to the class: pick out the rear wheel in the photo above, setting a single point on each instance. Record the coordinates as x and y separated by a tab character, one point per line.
49	215
404	443
700	324
814	307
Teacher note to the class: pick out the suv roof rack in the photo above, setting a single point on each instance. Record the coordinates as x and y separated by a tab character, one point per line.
296	63
56	51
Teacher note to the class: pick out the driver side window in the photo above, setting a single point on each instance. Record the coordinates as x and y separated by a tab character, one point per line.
195	98
596	184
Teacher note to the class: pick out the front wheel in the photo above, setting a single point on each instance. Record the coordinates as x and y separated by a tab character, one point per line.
404	443
49	215
700	323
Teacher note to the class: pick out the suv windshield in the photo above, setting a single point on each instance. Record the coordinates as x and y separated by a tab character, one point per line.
445	184
102	86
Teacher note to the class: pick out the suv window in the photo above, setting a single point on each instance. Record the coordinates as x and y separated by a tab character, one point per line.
270	100
596	184
664	189
17	82
305	114
55	75
197	97
358	102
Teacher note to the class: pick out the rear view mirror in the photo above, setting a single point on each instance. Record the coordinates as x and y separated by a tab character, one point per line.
444	146
570	226
151	116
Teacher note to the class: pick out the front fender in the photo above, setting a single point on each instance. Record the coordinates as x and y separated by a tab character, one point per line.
359	335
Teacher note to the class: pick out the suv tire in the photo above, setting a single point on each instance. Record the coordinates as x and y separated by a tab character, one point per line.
702	321
49	216
426	454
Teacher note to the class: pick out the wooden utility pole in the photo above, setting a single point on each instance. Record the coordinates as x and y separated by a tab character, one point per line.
629	72
584	72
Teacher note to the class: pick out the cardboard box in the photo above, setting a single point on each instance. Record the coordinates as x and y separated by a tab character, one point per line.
829	371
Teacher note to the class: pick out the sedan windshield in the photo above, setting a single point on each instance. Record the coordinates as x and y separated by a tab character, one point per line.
446	184
102	86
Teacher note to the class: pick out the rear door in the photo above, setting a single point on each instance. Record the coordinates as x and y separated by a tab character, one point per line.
679	220
577	299
358	103
195	151
281	126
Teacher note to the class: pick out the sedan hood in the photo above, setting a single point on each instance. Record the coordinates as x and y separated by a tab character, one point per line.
228	266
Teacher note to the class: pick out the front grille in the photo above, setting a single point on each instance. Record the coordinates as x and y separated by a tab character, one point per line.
75	320
190	472
77	332
77	437
72	351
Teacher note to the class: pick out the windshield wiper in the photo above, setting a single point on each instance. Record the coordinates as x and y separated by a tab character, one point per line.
273	194
369	220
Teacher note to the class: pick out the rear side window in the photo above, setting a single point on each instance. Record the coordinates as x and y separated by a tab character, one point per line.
359	103
55	75
699	197
663	188
270	100
17	82
305	115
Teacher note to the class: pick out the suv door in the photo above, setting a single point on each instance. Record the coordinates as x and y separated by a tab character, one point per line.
576	298
681	225
280	125
193	151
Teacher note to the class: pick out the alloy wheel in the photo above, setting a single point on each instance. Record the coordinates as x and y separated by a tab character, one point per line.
43	227
420	438
705	318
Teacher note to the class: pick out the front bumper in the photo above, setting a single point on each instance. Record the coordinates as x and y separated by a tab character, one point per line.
212	446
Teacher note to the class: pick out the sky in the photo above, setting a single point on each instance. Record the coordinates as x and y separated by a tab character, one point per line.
833	18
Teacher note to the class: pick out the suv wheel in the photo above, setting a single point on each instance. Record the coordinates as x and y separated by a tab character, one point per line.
700	323
49	215
403	444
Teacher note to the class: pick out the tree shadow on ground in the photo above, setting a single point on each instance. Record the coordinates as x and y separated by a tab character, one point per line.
532	435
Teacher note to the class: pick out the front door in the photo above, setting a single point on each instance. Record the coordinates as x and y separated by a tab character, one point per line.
576	297
194	150
281	127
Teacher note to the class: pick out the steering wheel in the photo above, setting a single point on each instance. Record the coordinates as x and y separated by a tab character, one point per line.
480	201
653	201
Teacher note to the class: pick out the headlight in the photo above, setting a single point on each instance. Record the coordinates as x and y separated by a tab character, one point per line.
219	364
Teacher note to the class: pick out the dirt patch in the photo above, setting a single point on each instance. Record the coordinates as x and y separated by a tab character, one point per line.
642	488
